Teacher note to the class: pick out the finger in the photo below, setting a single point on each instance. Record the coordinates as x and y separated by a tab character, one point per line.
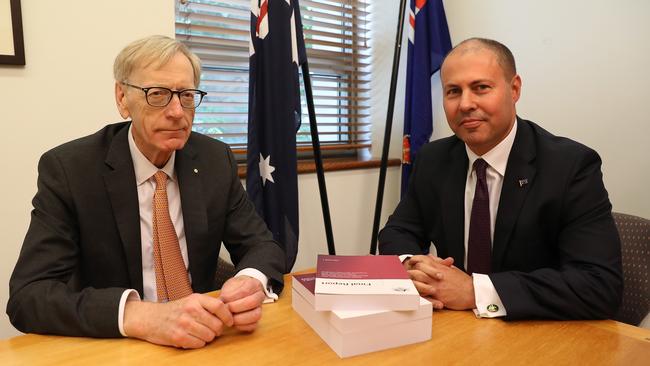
200	331
449	261
407	264
424	289
218	308
210	321
436	304
434	271
419	259
239	287
247	303
445	262
417	275
432	259
248	317
190	342
180	338
247	327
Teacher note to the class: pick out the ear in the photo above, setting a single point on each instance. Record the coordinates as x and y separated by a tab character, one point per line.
515	84
120	100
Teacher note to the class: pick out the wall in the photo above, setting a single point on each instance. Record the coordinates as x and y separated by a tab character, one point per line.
66	91
584	66
583	63
352	197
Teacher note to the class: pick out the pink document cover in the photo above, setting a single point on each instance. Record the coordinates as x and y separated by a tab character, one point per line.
360	267
307	280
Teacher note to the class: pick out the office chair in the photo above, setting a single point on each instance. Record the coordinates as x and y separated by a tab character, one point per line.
635	250
225	270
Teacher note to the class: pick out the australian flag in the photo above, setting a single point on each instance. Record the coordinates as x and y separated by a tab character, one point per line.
429	42
276	51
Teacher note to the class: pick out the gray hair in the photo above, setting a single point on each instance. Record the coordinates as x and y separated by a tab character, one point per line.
153	50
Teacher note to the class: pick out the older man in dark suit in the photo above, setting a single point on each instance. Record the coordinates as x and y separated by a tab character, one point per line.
138	211
520	216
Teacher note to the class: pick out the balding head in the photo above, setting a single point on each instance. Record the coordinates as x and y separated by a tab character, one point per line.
505	59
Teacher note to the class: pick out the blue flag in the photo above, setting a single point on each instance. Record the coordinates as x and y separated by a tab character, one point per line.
276	51
429	42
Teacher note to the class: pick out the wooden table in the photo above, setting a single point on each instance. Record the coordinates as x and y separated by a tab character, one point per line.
283	338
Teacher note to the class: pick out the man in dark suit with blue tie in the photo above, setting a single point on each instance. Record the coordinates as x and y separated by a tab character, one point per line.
128	222
520	218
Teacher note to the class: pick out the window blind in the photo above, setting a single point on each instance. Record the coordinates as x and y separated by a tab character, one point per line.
336	38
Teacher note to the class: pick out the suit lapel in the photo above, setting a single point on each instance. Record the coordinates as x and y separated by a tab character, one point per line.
453	203
519	178
195	218
122	191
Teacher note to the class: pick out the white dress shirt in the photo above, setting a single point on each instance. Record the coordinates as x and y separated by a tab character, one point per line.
146	186
485	294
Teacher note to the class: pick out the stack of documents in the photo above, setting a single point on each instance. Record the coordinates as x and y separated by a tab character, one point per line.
350	329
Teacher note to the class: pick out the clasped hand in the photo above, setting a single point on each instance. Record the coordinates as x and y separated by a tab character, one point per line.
440	282
195	320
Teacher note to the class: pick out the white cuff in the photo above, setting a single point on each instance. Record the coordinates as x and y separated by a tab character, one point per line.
127	295
256	274
488	302
404	257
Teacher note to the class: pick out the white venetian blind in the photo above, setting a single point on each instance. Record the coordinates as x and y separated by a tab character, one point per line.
336	38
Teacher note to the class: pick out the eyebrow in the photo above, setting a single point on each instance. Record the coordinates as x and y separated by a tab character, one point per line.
474	82
480	81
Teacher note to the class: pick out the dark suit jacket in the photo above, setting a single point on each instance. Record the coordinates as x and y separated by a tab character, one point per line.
82	249
556	252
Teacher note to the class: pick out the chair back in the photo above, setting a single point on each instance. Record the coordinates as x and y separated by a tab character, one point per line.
635	250
225	270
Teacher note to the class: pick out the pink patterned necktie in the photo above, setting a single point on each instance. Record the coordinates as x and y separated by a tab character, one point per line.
479	243
172	281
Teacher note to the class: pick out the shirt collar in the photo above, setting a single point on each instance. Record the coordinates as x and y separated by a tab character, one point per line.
497	158
144	169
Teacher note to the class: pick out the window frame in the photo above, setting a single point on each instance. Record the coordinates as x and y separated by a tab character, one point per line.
346	133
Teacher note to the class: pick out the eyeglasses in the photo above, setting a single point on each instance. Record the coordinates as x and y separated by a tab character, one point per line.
158	96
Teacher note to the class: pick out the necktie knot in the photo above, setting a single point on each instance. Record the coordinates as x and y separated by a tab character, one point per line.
161	180
480	167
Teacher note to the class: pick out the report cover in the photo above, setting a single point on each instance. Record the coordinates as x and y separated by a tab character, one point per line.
370	282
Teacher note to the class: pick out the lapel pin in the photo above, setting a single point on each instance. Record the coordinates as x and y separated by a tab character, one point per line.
523	182
196	171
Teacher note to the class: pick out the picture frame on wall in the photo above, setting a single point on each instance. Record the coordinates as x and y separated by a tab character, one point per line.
12	47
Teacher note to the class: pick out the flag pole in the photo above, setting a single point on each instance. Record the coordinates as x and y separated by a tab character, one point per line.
318	158
389	126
